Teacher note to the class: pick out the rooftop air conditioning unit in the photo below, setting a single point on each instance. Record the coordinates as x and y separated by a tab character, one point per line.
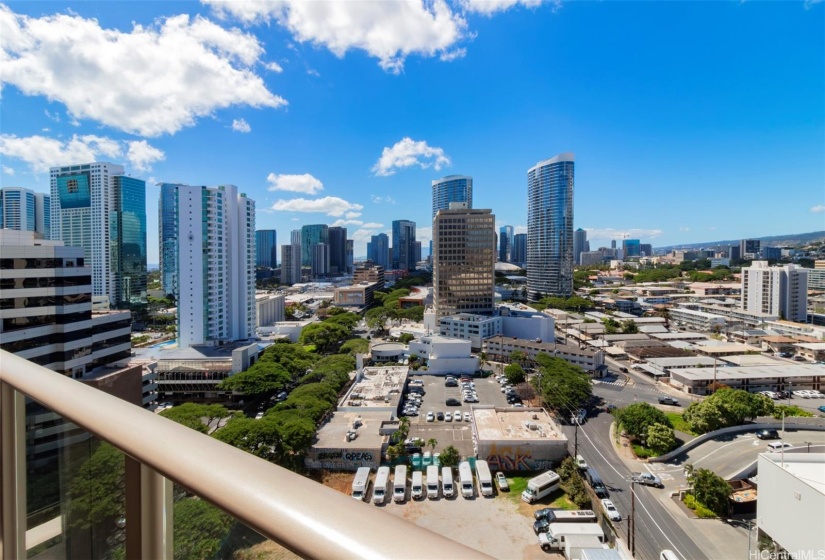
532	426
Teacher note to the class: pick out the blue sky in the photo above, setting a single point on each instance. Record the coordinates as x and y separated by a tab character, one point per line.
690	121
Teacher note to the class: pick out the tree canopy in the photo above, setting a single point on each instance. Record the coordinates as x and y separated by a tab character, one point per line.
637	418
711	490
324	335
196	416
562	385
514	373
726	407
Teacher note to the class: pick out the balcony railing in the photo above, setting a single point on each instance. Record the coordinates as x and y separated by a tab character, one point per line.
308	518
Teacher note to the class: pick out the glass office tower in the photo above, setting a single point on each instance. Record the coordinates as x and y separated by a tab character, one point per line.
128	244
266	248
550	228
453	188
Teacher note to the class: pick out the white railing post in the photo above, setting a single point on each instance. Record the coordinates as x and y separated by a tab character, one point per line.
12	473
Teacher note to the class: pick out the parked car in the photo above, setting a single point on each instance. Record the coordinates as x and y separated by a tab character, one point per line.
501	480
610	510
623	369
448	417
581	463
541	526
821	408
802	393
453	402
467	417
430	416
451	383
816	394
767	433
779	446
439	416
668	400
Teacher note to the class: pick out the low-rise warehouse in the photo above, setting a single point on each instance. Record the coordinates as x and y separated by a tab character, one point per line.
518	439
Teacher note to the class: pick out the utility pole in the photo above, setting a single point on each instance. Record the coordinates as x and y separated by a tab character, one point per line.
633	516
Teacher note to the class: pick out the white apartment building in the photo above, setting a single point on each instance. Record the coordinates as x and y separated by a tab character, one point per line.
519	321
444	355
24	209
791	502
780	290
216	264
696	320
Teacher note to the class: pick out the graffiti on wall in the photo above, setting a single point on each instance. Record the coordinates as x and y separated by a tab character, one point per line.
341	460
515	458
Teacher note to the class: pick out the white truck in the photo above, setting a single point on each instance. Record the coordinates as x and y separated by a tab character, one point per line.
382	485
560	536
361	483
465	477
432	482
541	486
485	479
447	487
399	483
417	485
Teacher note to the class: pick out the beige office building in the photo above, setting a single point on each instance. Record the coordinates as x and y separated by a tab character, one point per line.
464	258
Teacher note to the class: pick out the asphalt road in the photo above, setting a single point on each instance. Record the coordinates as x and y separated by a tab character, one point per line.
656	530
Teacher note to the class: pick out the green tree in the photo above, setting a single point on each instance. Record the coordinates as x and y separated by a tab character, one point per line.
405	338
630	327
611	325
514	373
95	493
660	438
260	379
377	318
200	529
356	346
450	457
561	384
702	417
518	357
324	335
432	442
638	417
196	416
727	407
712	491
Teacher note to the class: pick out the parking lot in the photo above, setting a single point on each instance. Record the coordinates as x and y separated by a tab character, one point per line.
457	434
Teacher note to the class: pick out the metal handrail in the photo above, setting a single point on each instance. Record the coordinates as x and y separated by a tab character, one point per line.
308	518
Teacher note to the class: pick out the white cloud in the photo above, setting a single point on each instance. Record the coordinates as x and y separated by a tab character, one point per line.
41	152
141	155
519	229
408	152
424	235
373	225
352	215
314	73
342	223
240	125
153	80
818	209
684	229
382	199
52	116
490	7
8	170
306	183
273	67
329	205
388	31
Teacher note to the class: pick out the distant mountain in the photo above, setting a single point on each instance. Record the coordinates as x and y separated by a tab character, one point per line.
774	240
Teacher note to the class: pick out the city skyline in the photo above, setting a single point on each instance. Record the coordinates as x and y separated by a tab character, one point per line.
350	133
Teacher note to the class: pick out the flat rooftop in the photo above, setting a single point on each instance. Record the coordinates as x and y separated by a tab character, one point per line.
752	372
333	434
377	387
205	352
807	467
679	336
685	361
515	424
752	360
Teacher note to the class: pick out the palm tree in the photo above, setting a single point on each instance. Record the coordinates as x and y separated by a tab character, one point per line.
432	442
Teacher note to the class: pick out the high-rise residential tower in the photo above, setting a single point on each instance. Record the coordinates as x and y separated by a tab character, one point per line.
168	237
579	245
778	290
464	260
25	210
291	259
319	263
84	200
519	255
550	227
452	188
312	235
505	244
337	250
403	239
215	263
266	248
378	250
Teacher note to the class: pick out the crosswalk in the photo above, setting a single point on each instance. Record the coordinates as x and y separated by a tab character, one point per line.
617	383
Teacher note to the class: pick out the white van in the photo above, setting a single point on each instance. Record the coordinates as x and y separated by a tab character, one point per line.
399	483
417	485
778	446
382	485
541	486
361	483
485	479
432	482
447	487
465	477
